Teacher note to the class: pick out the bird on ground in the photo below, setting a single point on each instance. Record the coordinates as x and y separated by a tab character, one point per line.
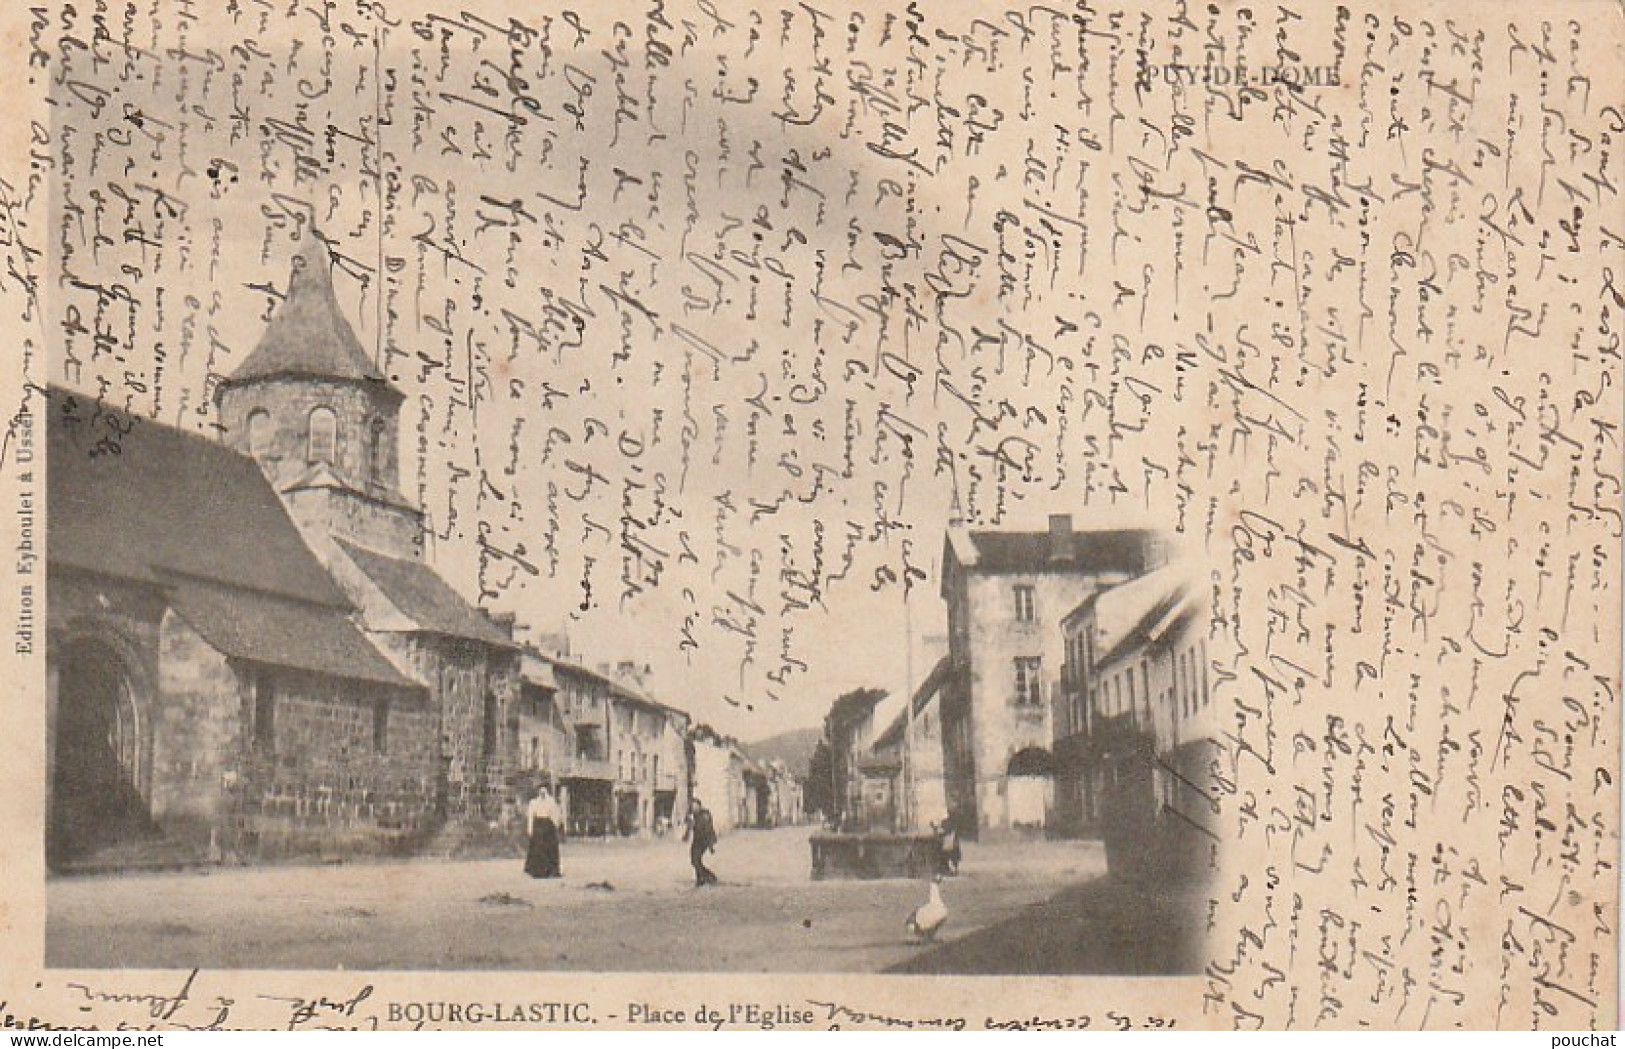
930	915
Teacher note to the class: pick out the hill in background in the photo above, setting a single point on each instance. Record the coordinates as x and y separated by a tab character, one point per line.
794	748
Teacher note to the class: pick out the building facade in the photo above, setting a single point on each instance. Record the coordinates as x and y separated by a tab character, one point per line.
849	730
1136	762
718	767
1006	592
911	746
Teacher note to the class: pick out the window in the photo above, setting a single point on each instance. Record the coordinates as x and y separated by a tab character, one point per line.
1202	657
589	747
259	432
488	727
535	753
324	435
1024	604
264	713
1028	692
376	451
380	724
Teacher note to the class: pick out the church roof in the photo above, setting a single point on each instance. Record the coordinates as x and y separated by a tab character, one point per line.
308	334
425	598
136	499
276	631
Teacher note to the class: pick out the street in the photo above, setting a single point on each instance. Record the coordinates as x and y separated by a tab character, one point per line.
627	905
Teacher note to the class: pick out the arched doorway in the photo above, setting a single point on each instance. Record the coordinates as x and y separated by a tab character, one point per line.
97	785
1027	781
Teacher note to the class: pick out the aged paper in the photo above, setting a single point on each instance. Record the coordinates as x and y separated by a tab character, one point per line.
1167	455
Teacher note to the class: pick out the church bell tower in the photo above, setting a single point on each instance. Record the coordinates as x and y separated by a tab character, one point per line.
321	420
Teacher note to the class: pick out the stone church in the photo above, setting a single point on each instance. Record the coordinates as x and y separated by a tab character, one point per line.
247	655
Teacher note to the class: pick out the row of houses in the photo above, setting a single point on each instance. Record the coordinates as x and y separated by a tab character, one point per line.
248	653
1074	700
623	763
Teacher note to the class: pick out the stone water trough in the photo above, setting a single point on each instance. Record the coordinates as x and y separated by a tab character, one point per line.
871	855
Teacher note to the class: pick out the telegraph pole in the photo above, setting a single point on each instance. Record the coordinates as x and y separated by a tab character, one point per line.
907	806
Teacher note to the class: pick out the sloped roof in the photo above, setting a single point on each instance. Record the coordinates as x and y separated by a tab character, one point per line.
854	706
326	475
308	334
1171	611
939	675
135	499
425	598
1118	610
617	687
1117	550
278	631
535	669
892	736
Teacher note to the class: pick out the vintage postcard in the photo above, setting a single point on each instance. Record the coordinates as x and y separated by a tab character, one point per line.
696	514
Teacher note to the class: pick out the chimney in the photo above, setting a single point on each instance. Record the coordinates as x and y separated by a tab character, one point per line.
503	621
1060	537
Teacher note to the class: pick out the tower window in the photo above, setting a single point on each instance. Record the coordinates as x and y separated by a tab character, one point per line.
376	451
259	432
324	435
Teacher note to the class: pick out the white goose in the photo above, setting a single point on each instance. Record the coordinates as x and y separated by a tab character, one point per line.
930	915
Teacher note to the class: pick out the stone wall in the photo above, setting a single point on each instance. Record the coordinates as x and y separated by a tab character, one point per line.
346	768
483	777
288	403
196	738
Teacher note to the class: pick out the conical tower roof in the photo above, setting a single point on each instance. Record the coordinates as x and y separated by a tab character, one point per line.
308	334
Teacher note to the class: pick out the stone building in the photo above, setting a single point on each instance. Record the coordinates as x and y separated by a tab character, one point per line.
717	768
247	654
651	782
1134	760
1006	592
782	801
616	756
545	737
912	746
849	730
587	779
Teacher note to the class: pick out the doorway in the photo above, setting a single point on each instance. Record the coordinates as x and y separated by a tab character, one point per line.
97	786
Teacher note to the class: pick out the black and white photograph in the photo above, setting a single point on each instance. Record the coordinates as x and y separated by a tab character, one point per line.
256	673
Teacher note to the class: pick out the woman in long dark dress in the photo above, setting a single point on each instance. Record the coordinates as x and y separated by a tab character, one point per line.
542	859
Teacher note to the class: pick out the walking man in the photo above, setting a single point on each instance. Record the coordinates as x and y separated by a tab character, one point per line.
701	835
